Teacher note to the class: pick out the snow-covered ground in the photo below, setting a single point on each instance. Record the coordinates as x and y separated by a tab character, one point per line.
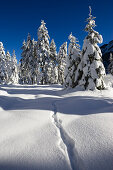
48	128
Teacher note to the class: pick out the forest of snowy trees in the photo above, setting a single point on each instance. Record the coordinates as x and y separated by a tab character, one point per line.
41	64
8	67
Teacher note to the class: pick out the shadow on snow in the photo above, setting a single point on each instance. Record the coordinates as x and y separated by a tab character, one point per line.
77	105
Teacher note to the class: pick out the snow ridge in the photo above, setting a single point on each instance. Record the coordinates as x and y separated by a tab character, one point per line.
66	143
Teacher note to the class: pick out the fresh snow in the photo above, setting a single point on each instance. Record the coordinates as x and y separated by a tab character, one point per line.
46	127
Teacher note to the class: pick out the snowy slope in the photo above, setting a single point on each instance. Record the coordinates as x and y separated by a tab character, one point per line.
28	138
46	128
88	119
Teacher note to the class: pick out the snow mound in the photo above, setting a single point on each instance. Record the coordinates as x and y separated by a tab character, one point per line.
46	128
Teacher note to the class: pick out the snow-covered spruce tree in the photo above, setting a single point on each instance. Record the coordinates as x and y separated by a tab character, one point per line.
14	76
29	65
56	74
110	67
27	60
9	67
3	65
91	70
33	65
72	61
19	73
53	53
43	52
61	59
23	65
52	69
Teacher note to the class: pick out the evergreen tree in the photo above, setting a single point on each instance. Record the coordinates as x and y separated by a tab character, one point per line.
52	69
91	71
9	67
62	55
23	69
33	65
53	53
20	73
14	69
56	75
28	63
43	52
72	61
110	67
3	65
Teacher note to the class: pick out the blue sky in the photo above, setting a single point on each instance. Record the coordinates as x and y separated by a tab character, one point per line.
17	18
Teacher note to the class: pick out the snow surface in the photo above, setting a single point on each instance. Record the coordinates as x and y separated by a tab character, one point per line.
48	128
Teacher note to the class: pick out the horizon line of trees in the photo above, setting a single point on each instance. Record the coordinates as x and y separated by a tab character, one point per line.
41	64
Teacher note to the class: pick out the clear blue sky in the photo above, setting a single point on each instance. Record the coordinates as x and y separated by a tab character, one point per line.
62	17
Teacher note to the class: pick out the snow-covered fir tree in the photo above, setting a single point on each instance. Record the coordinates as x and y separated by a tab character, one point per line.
14	75
61	59
28	61
91	71
9	67
19	73
22	65
72	61
110	67
43	52
3	65
52	69
56	74
53	53
33	65
8	56
29	65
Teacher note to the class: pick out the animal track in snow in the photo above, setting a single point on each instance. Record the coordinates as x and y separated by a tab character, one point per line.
66	143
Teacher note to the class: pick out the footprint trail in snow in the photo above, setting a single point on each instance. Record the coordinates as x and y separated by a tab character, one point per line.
66	143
